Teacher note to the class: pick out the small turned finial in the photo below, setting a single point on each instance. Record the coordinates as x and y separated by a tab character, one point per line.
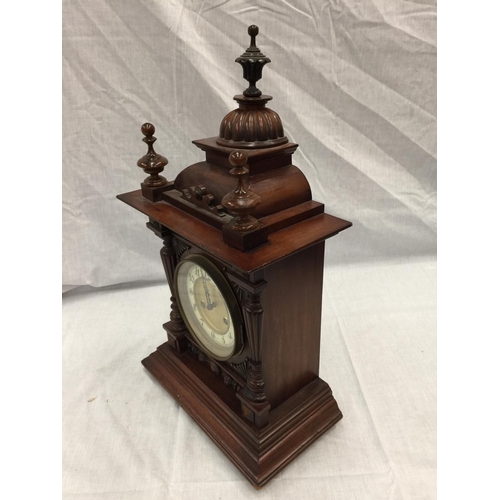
252	61
242	201
148	129
152	163
253	31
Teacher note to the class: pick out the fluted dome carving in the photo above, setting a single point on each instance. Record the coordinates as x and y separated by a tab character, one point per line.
252	125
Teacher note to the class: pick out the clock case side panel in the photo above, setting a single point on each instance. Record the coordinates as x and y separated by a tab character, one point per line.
291	327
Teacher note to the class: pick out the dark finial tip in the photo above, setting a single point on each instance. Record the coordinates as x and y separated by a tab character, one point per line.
148	129
238	158
253	30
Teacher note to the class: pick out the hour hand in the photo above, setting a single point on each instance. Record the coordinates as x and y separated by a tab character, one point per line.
210	304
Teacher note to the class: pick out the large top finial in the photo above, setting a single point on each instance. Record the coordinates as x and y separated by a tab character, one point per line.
252	61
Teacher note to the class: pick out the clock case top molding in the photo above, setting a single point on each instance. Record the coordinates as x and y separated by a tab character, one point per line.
249	210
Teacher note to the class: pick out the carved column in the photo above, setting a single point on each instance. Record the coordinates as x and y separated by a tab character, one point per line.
252	310
254	404
170	254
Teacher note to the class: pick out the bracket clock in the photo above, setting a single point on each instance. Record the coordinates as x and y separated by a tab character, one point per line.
243	253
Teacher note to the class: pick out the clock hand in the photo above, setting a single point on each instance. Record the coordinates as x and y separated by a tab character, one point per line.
210	305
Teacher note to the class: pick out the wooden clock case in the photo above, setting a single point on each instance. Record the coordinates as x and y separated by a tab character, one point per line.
249	210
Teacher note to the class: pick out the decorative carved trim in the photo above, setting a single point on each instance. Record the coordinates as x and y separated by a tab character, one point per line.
170	254
199	196
179	248
238	291
253	396
159	229
242	368
241	202
152	163
252	62
252	311
215	367
251	126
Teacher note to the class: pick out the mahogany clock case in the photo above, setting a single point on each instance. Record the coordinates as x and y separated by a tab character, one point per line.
280	284
248	212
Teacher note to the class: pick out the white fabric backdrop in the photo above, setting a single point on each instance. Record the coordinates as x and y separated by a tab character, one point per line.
354	83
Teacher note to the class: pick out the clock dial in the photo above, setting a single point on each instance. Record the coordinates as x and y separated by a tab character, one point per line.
208	306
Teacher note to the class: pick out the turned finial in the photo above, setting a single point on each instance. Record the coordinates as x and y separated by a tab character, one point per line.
152	163
252	61
242	201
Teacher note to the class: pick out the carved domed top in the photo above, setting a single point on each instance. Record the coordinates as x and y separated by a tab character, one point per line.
252	125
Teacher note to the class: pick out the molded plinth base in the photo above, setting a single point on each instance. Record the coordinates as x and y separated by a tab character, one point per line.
258	453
